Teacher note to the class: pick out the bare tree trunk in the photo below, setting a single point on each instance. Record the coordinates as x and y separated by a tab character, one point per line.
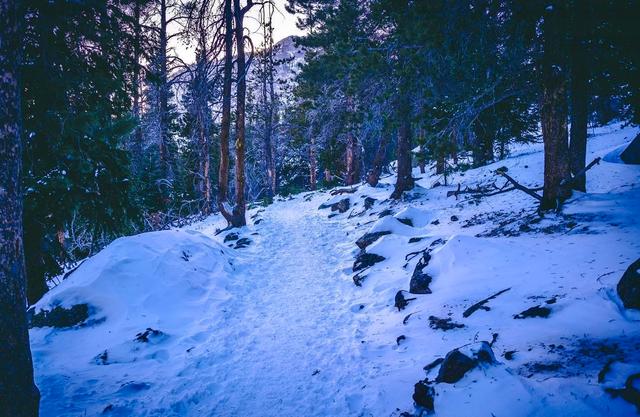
269	159
137	51
404	181
313	164
350	159
165	169
440	164
204	182
19	397
374	175
269	162
454	148
225	124
207	180
579	96
238	218
554	107
269	98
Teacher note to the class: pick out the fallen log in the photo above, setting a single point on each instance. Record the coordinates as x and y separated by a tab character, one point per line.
519	186
480	305
340	191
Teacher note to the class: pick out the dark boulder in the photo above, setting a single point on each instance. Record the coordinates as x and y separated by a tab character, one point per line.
369	202
406	220
385	212
231	237
341	206
455	365
242	243
630	392
536	311
59	316
369	238
631	154
365	260
420	280
629	286
484	353
423	395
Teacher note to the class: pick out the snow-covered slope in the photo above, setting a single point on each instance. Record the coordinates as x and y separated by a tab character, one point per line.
286	332
150	299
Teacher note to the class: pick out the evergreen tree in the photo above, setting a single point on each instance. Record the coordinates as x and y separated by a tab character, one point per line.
19	396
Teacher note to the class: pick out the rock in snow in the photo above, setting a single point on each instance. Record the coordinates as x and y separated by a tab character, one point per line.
460	361
420	280
629	286
340	206
369	238
365	260
631	154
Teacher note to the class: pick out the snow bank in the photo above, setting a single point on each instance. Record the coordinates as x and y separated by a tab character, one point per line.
148	297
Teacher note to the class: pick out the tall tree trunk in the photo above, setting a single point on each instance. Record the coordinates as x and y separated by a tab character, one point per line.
350	157
579	95
204	182
238	219
269	98
376	169
554	107
165	168
137	52
269	159
313	163
351	154
225	124
440	164
404	181
19	397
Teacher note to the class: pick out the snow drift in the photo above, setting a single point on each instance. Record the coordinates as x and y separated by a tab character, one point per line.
147	297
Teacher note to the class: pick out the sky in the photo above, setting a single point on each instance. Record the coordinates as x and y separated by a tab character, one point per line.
284	24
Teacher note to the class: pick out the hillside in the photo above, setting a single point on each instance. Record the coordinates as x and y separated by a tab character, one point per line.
269	321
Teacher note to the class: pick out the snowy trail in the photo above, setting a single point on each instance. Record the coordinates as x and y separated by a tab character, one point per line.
295	322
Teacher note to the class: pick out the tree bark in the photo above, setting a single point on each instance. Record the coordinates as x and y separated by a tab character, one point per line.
19	397
579	96
440	164
268	98
313	164
404	181
373	177
165	169
350	157
554	107
225	124
137	52
238	216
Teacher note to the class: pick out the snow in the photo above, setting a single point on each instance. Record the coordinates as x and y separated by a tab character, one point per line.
279	329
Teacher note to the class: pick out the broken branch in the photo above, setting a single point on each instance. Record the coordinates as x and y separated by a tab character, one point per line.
481	304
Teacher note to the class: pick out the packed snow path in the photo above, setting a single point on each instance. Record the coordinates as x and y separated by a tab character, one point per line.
287	344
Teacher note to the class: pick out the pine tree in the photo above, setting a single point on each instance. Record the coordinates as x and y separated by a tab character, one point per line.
19	396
